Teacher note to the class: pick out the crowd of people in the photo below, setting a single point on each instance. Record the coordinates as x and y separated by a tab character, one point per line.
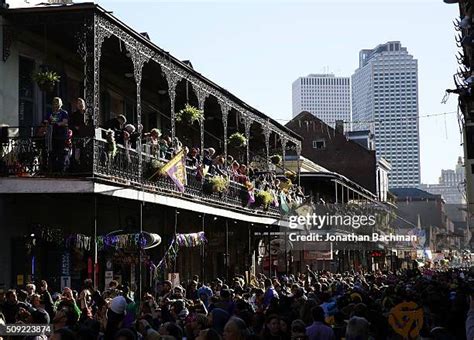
314	306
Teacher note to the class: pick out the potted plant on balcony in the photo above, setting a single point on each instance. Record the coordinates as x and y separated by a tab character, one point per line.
190	114
46	80
216	184
263	198
275	159
237	140
154	170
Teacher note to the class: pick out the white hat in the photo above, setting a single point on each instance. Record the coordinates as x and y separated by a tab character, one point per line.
118	304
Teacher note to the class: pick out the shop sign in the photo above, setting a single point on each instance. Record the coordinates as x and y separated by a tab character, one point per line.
317	255
20	280
65	264
174	278
109	276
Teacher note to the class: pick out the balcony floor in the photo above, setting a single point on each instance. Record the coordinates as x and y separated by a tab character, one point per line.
26	185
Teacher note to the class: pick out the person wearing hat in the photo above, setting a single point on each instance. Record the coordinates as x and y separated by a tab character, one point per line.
153	139
208	153
204	293
115	316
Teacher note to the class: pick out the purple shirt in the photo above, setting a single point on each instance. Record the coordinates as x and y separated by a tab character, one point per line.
269	295
319	331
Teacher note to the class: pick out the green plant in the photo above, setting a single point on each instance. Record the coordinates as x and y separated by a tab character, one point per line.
264	198
219	183
190	114
276	159
46	79
155	168
237	140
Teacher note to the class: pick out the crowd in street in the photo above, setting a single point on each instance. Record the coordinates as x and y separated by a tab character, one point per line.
313	305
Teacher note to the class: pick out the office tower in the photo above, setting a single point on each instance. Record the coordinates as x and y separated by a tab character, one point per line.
385	91
324	95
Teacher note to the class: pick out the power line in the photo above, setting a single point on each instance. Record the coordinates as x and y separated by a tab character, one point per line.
389	119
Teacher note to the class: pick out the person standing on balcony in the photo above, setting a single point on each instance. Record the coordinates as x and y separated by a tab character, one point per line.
58	120
116	125
78	126
77	121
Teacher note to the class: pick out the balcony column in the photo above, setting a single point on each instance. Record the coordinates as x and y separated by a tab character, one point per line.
100	34
248	124
201	96
225	108
173	79
138	60
298	155
85	48
267	132
284	141
92	81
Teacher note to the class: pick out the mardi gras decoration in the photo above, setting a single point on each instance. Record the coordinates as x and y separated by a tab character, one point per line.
191	240
48	234
406	319
180	240
125	241
142	240
79	241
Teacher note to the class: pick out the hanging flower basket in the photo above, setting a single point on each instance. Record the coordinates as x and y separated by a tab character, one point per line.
46	80
275	159
263	198
190	114
237	140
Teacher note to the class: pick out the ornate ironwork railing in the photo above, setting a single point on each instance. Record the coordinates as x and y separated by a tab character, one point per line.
32	152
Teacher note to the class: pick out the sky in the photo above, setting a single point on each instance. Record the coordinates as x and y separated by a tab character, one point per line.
257	48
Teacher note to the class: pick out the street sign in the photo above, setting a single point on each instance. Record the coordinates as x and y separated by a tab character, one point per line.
65	282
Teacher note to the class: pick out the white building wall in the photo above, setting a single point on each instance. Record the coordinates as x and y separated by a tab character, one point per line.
8	85
324	95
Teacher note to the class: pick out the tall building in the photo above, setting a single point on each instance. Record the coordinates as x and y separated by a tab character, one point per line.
324	95
450	185
385	91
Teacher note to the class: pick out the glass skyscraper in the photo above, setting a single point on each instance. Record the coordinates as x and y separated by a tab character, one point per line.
385	91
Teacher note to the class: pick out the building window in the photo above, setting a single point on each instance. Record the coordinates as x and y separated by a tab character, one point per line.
319	144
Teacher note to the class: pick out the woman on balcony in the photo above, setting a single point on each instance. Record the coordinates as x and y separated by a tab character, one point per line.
193	158
77	120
